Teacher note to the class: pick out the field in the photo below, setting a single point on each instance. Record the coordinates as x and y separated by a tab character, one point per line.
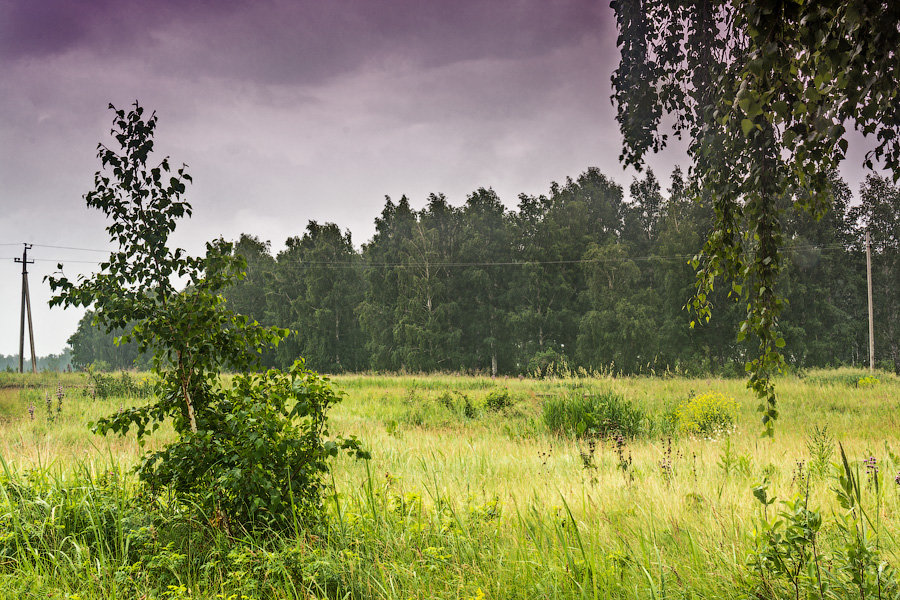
469	494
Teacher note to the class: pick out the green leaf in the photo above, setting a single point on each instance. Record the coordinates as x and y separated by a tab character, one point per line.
747	126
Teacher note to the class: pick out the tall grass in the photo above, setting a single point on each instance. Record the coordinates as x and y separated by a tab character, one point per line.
494	505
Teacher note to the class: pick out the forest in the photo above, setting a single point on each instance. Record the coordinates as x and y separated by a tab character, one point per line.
583	276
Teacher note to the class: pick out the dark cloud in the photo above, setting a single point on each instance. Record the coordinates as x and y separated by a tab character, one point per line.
39	29
293	42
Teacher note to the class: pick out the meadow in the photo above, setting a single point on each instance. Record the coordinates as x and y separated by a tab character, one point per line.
474	491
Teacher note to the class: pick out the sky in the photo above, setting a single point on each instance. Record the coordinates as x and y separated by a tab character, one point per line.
290	111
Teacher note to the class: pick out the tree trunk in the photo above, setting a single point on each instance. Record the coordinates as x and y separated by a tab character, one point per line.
187	396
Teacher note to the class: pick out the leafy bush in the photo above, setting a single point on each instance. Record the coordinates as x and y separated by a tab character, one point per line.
585	415
497	400
547	363
455	402
262	462
665	422
469	410
708	414
446	400
125	386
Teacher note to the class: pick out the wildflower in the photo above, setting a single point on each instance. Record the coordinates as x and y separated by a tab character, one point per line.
871	469
871	466
665	463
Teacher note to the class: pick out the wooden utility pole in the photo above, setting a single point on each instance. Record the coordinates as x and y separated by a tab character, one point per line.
26	307
871	317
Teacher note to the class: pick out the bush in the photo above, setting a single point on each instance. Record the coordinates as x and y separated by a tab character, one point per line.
497	400
707	415
547	363
124	386
867	381
586	415
262	463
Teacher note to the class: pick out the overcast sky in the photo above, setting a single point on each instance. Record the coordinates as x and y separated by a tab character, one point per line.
287	111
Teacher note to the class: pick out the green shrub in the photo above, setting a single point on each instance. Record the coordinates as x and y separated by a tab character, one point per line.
707	415
262	462
867	381
105	386
547	363
463	407
585	415
469	410
446	400
497	400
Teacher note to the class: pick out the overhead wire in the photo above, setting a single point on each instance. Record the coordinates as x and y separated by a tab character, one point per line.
71	248
453	264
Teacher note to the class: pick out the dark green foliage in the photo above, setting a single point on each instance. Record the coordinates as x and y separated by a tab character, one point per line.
484	315
469	410
315	287
497	400
92	345
534	292
587	415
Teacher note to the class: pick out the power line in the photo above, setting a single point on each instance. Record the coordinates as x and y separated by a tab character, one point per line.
454	264
71	248
58	260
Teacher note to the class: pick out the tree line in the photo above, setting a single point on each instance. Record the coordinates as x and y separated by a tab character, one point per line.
51	362
577	277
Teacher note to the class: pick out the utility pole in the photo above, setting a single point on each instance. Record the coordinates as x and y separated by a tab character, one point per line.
26	306
871	317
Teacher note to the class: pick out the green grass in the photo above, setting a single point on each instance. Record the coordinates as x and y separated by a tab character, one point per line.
456	502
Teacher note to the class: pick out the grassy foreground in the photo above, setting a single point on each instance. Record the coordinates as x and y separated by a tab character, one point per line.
459	500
